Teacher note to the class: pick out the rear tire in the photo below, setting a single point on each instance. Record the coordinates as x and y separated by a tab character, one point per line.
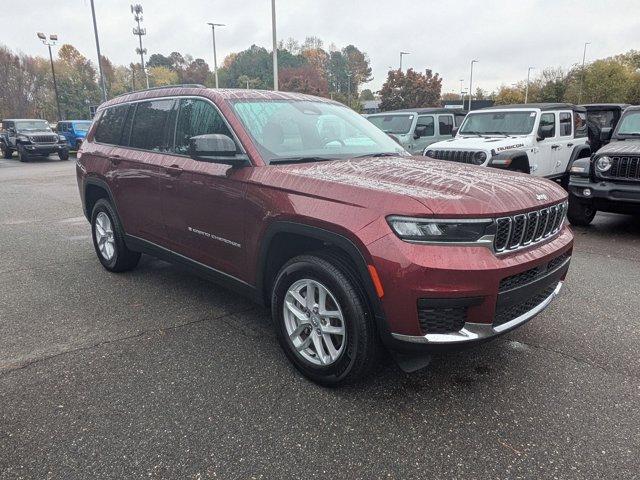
579	213
108	239
355	352
64	155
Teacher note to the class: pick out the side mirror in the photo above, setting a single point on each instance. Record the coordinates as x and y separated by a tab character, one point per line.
420	131
545	131
215	148
605	134
11	130
454	131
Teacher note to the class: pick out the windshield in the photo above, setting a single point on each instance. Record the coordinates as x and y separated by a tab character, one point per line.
398	124
499	123
32	125
290	131
630	124
81	126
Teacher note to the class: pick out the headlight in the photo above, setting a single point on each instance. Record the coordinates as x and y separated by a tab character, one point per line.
62	138
479	158
603	164
439	230
429	153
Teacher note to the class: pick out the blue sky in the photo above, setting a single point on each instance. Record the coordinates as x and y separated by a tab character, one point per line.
505	36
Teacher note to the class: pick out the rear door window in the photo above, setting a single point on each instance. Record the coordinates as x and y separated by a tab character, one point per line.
110	127
152	126
197	117
445	124
548	119
565	124
580	124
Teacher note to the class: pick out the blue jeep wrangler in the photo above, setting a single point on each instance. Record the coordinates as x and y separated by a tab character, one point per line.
74	131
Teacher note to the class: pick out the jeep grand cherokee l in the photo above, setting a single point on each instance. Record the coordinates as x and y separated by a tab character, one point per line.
305	206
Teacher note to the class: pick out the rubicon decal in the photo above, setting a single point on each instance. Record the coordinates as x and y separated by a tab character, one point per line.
214	237
509	147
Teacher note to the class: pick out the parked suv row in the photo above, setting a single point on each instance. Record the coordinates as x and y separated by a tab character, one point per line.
307	207
30	138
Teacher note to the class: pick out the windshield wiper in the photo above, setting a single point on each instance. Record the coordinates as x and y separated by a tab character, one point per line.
471	133
300	160
379	154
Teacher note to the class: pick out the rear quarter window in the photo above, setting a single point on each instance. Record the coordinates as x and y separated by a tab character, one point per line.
111	121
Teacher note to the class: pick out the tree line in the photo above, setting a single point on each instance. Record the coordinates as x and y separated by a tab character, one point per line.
308	67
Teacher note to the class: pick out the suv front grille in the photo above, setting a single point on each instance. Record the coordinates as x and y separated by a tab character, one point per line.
441	320
505	313
528	276
519	231
43	138
627	168
462	156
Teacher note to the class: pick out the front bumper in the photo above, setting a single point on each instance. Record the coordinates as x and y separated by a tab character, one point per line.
606	194
36	149
467	279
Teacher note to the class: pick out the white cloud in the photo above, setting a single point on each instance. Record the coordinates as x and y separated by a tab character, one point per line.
505	36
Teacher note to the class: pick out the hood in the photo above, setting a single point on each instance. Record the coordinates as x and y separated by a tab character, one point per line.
444	188
621	147
36	132
499	144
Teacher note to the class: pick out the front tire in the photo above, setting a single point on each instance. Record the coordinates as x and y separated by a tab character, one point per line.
322	321
108	239
63	155
22	155
6	152
580	214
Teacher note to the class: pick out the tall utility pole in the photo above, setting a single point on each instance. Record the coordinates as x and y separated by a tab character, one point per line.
471	83
53	38
139	32
526	92
584	56
215	58
401	55
275	45
95	31
462	92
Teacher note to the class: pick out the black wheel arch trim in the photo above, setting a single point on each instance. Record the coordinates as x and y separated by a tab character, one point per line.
327	236
98	182
577	150
509	154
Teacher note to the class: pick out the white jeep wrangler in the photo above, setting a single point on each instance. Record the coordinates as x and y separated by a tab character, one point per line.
541	139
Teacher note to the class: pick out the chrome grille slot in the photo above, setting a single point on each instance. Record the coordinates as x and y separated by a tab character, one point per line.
625	168
460	156
524	229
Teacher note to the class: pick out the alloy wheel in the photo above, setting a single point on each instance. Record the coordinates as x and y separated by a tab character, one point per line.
104	236
314	322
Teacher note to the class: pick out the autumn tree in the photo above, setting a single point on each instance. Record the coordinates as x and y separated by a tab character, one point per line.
410	90
305	79
77	83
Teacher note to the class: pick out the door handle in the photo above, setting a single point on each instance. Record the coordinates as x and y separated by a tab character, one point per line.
555	147
569	144
115	159
173	170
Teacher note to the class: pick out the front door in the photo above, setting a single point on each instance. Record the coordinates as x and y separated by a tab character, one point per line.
203	202
544	160
565	141
429	136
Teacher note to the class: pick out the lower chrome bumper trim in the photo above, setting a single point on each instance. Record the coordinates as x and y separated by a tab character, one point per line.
477	331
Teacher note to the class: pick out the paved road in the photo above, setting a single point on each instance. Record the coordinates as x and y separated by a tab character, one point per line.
159	374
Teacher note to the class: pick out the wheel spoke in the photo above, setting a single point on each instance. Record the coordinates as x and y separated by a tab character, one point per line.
319	347
305	344
311	297
299	314
296	333
333	353
297	297
332	330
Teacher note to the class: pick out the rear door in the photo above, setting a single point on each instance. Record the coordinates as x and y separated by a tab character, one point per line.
445	126
136	167
544	161
203	202
566	141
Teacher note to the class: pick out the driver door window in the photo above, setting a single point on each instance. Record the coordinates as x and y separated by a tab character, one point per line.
428	124
197	117
548	120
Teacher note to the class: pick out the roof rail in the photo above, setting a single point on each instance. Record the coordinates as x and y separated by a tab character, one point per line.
180	85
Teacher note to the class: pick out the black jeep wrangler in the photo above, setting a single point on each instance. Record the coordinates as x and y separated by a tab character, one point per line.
610	179
30	138
599	116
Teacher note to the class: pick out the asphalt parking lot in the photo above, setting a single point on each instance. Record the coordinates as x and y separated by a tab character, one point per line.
159	374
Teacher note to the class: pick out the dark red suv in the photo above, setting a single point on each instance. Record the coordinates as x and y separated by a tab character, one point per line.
305	206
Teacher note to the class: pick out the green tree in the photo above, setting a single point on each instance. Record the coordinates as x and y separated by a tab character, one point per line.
410	90
77	83
159	76
367	94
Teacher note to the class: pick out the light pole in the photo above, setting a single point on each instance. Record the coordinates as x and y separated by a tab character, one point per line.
95	31
526	92
53	38
462	92
275	45
215	59
139	32
401	55
471	83
584	56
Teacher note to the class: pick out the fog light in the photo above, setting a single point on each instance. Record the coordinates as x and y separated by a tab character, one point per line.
586	192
